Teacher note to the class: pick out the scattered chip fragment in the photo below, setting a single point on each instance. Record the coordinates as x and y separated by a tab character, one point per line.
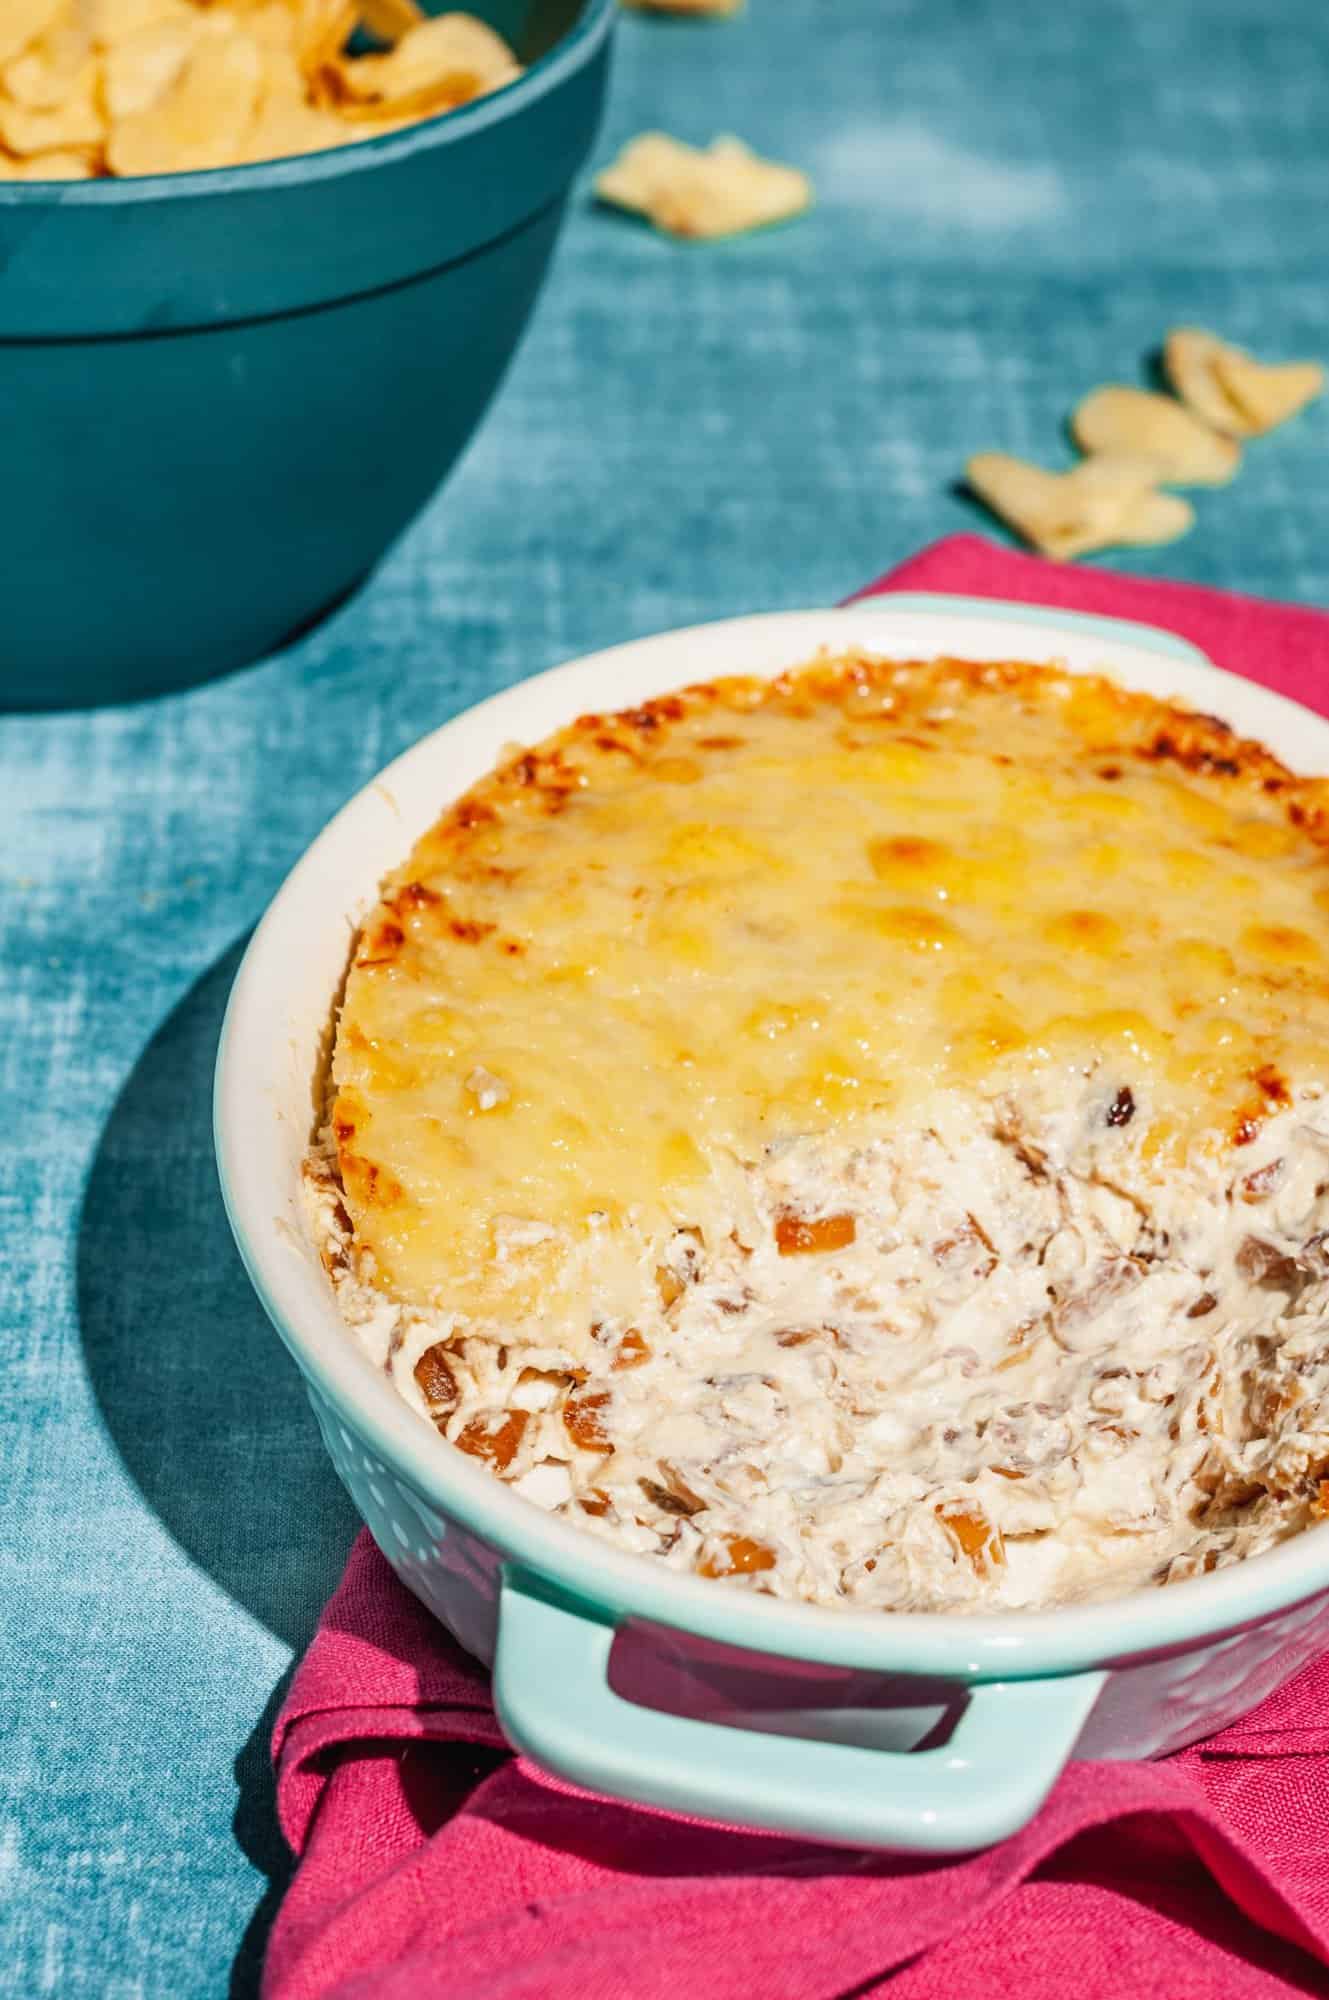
1140	424
1230	389
1104	502
720	190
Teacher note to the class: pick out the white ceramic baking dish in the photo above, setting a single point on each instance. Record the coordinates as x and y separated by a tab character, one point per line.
1132	1678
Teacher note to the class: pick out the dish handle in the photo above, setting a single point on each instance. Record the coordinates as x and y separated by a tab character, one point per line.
552	1693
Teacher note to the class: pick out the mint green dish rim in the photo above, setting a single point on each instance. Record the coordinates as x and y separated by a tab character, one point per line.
1032	1677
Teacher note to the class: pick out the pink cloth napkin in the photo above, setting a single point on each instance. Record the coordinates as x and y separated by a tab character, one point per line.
433	1860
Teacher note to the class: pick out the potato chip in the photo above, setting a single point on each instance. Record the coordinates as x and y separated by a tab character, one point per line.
686	191
1139	424
201	119
111	21
286	123
55	166
22	21
439	64
138	69
1101	503
273	24
172	86
389	20
1153	518
49	69
1230	389
74	123
322	29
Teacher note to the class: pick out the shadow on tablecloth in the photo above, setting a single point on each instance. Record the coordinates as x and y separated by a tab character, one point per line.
204	1405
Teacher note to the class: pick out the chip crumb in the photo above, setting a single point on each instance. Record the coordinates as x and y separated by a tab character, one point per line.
1104	502
70	125
1183	449
689	191
1230	389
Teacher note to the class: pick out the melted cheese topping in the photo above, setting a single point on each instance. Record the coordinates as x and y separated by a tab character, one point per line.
635	960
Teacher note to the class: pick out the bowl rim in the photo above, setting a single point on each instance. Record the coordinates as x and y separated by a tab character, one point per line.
569	53
612	1583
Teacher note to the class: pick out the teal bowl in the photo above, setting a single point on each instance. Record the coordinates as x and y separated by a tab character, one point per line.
223	395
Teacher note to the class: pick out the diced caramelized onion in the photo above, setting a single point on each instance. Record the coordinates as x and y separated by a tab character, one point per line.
804	1235
495	1437
977	1537
736	1555
669	1287
671	1493
435	1379
583	1419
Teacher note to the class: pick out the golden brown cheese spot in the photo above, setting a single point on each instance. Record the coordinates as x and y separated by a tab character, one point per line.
916	930
367	1186
1083	930
380	945
677	770
1262	839
1272	1085
910	858
1280	944
755	910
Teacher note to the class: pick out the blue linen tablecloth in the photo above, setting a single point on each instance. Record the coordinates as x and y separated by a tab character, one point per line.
1015	202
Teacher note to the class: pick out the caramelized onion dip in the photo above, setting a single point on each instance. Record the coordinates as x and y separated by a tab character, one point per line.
861	1136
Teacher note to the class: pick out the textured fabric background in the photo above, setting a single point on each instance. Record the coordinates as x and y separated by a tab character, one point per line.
1016	200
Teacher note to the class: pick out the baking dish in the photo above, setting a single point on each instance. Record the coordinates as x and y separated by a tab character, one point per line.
1135	1677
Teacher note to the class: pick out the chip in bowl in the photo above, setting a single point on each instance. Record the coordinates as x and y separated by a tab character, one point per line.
130	87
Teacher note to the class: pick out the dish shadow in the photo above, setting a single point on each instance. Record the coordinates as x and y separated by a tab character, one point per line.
202	1402
204	1406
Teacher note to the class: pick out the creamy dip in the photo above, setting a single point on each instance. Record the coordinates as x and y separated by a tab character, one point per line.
1039	1372
862	1135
